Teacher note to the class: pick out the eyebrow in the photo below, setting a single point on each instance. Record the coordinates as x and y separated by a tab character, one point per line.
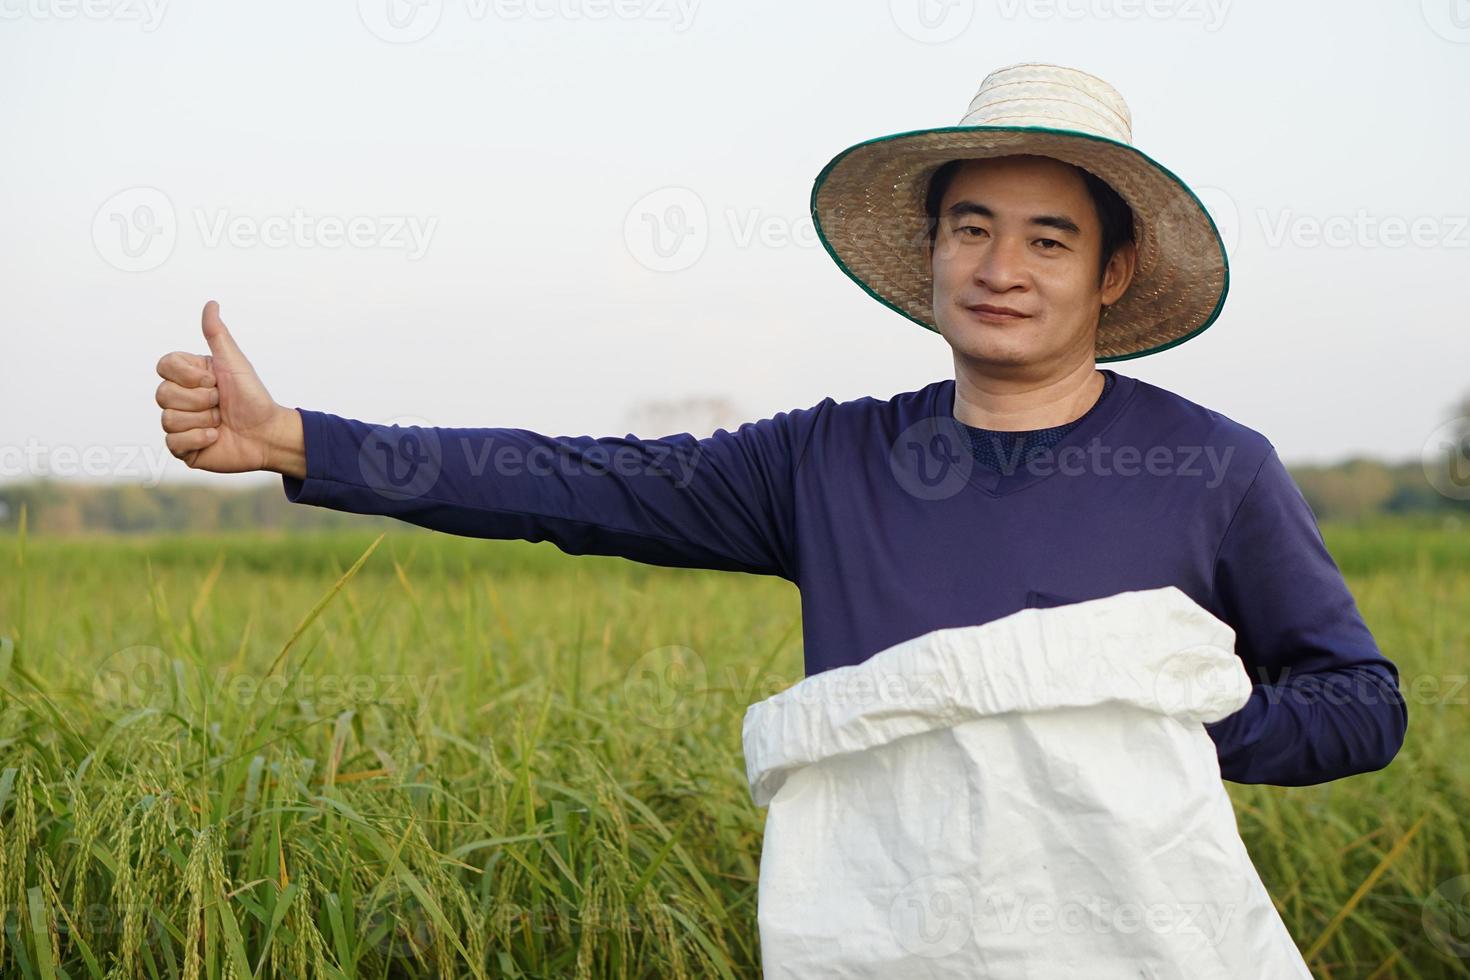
1058	221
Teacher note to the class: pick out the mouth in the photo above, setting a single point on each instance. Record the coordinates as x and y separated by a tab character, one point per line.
995	314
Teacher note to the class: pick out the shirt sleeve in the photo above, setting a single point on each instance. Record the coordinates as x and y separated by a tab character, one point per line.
1325	701
721	502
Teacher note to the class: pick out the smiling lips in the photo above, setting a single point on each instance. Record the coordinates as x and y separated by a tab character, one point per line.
996	314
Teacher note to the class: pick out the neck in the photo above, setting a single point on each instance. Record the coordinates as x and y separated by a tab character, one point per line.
1018	403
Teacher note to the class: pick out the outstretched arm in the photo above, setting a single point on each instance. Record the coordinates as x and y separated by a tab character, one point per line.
722	502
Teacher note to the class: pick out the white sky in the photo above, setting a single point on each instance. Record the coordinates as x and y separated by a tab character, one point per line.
522	137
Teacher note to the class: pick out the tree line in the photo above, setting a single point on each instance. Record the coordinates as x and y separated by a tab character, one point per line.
1348	491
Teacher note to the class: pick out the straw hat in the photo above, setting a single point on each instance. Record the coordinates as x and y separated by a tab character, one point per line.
868	204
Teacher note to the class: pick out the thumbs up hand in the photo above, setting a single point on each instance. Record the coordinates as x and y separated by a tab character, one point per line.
217	414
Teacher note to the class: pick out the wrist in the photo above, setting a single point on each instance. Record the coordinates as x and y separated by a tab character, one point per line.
285	448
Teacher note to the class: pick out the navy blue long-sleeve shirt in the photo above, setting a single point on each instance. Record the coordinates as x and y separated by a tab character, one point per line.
881	515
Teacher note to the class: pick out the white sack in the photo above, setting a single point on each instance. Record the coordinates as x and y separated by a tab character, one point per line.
1033	798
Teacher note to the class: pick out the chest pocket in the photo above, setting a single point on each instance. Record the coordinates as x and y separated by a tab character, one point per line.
1046	600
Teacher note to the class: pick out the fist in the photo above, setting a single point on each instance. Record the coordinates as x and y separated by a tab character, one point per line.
217	415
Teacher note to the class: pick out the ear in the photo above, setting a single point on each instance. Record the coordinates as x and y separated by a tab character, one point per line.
1119	273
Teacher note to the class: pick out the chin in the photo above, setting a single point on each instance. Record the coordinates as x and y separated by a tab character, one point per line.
1008	358
984	346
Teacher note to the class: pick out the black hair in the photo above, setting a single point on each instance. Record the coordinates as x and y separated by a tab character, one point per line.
1113	213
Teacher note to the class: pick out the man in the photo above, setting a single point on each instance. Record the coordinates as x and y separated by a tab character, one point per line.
1036	241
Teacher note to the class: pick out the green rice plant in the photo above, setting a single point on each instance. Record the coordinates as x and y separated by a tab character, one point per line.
413	755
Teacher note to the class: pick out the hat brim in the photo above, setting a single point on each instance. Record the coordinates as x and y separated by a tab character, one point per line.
868	208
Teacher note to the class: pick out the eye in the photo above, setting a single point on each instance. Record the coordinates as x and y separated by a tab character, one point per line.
1052	241
965	228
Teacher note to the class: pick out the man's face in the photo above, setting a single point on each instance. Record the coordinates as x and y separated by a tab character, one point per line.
1021	232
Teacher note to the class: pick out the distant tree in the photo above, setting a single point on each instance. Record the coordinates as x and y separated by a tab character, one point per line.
1347	491
59	517
199	508
1461	454
1454	467
138	509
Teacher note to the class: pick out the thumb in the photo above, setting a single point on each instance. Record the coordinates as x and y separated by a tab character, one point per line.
221	344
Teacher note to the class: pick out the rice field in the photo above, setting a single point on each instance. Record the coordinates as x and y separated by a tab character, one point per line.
350	756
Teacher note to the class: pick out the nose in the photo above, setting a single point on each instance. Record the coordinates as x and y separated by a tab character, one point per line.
999	266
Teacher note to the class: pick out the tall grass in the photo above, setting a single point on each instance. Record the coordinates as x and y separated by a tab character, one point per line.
346	756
